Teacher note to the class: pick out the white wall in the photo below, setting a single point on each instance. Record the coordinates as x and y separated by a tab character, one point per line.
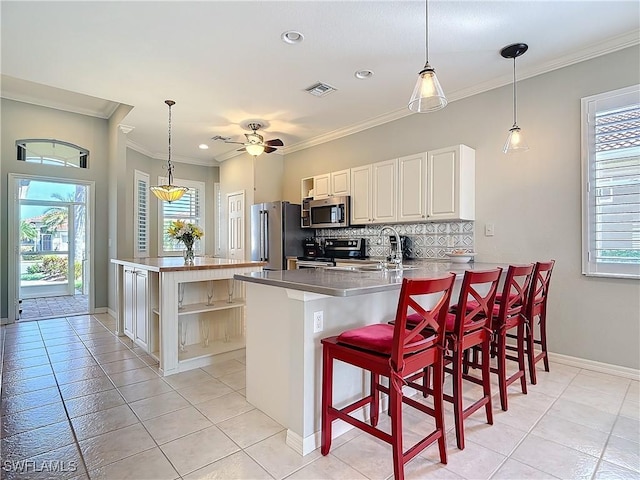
533	199
261	180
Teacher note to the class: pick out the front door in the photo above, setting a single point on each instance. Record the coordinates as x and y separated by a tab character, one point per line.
235	209
50	239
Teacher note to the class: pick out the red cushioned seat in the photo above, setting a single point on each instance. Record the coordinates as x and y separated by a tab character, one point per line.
378	338
472	305
449	324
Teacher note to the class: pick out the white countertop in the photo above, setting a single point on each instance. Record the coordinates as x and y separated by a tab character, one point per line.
345	283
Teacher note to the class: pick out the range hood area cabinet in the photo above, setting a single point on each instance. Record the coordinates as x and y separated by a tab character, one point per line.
438	185
327	185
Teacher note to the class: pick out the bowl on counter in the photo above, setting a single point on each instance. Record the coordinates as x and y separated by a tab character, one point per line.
461	257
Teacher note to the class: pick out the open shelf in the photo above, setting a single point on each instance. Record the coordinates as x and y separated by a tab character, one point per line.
215	347
203	307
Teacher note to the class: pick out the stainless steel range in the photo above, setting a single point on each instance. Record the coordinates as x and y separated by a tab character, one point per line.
335	249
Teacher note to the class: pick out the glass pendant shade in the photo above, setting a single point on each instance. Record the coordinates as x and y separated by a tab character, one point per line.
428	95
515	141
168	193
255	150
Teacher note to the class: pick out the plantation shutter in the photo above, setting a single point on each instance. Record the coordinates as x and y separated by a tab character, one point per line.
188	209
141	209
614	186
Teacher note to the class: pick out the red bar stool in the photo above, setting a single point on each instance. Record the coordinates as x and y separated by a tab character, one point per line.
468	327
537	307
509	315
393	351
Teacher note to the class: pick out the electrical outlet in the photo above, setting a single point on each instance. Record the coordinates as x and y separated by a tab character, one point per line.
488	230
318	321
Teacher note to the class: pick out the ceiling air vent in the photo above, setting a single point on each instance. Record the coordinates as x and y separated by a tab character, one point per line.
320	89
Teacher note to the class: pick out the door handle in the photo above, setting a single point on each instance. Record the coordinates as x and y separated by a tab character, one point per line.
266	236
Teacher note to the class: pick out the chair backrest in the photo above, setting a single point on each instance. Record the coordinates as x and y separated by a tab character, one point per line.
418	296
537	299
514	292
479	291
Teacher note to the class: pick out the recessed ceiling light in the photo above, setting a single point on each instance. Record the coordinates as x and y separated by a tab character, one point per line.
292	37
203	146
363	74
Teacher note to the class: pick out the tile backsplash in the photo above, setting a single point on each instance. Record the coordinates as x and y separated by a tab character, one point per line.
426	240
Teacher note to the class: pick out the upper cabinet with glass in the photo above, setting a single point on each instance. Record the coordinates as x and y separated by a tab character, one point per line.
52	152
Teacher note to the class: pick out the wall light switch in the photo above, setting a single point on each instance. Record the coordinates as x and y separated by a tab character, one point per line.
488	230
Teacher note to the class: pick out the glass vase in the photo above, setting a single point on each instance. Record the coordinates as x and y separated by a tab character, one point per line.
188	255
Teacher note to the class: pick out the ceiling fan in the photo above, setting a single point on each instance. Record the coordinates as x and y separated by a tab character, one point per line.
255	144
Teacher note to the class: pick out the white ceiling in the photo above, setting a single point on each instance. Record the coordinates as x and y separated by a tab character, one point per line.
224	62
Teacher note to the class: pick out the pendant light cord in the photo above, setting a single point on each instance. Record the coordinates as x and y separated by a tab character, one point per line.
426	30
169	166
514	92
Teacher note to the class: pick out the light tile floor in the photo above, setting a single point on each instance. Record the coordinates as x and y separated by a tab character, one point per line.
79	402
48	307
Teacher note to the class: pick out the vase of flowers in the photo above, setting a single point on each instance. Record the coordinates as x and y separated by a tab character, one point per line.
186	233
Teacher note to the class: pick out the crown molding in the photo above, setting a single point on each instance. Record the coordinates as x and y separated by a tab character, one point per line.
65	107
609	46
125	128
177	159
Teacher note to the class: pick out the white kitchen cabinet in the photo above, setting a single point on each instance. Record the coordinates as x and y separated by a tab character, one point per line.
340	182
451	183
136	306
412	187
384	191
361	195
373	193
322	185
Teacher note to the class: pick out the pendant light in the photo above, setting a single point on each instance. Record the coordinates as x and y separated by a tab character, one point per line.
515	141
169	193
428	95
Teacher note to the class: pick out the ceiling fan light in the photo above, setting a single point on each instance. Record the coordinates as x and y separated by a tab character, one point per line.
168	193
255	150
428	95
515	141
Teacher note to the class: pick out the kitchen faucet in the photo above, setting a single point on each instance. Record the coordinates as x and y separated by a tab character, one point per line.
396	255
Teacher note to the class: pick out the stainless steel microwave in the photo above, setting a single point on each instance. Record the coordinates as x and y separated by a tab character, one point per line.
329	212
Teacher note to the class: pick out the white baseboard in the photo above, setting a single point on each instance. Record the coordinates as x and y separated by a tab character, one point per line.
110	312
625	372
4	321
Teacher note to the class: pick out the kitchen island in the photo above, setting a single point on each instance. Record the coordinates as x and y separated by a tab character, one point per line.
288	312
182	315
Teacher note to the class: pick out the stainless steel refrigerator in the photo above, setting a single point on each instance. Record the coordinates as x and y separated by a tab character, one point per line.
276	233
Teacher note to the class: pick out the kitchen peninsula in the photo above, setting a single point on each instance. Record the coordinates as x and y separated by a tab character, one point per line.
288	312
182	315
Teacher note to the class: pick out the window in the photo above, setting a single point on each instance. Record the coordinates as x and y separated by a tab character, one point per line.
52	152
611	183
190	208
141	212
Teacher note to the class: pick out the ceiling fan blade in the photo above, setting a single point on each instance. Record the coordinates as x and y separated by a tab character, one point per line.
276	142
269	149
237	143
243	149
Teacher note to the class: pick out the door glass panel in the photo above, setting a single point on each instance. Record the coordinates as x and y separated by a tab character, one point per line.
52	239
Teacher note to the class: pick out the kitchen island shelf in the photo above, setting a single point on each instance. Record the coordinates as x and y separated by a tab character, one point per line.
151	317
203	307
